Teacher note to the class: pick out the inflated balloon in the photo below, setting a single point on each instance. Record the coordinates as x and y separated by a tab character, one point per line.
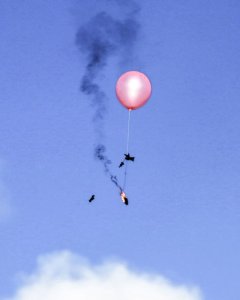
133	89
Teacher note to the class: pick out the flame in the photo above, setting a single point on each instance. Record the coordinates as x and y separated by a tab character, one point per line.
123	196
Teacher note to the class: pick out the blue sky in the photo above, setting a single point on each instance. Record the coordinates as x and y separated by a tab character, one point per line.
183	217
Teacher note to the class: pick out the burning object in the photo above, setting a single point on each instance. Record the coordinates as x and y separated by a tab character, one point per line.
124	198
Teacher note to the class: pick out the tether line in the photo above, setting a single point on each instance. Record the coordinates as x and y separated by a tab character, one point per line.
128	137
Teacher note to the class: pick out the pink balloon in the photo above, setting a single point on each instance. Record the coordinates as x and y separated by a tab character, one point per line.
133	89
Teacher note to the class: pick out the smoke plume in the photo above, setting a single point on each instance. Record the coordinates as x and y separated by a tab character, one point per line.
98	40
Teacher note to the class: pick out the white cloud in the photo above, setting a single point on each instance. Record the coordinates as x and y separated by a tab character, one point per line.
65	276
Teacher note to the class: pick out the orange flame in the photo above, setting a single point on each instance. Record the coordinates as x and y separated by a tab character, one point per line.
124	198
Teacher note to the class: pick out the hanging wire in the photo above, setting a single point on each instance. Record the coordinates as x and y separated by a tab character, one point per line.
128	130
126	162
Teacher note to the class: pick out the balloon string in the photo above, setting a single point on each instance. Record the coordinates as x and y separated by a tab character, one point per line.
126	162
125	176
128	130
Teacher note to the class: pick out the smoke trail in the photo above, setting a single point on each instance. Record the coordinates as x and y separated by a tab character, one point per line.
100	154
98	40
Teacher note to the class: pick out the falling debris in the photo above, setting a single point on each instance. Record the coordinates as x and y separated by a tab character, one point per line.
124	198
121	164
92	198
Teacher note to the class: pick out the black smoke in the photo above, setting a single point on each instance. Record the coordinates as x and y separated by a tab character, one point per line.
100	153
101	38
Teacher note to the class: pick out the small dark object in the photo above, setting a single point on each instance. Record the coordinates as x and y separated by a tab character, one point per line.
128	157
125	201
121	164
92	198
